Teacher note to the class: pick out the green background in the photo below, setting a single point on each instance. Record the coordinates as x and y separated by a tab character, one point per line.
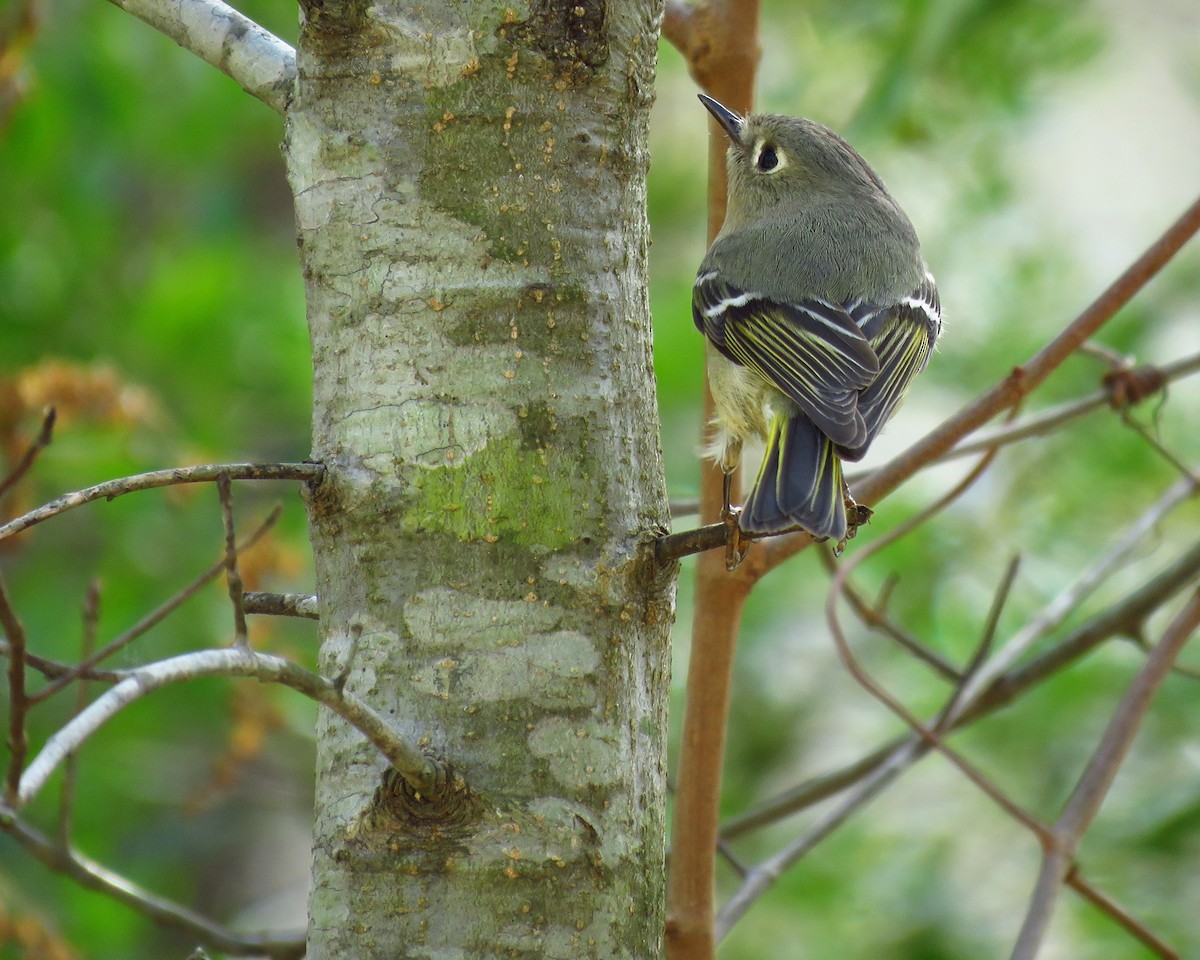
149	284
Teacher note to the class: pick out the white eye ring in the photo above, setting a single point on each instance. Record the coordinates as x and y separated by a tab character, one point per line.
761	146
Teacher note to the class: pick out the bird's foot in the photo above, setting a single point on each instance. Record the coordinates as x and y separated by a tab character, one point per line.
736	544
857	515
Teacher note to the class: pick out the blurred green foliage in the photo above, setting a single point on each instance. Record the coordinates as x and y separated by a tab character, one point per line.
149	286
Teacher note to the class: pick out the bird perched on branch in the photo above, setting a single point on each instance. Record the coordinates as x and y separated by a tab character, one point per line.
818	311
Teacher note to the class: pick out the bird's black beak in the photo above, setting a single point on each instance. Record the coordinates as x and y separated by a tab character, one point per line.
730	122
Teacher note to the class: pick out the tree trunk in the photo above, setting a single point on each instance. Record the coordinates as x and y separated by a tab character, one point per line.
470	194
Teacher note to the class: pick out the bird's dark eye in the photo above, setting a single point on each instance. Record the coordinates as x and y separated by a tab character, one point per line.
767	159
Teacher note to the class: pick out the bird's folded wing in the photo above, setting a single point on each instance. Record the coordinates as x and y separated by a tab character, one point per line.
903	336
810	350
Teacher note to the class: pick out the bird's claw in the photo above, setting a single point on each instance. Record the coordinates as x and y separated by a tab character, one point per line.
857	515
736	544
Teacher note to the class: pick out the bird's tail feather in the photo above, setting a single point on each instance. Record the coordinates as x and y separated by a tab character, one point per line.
799	484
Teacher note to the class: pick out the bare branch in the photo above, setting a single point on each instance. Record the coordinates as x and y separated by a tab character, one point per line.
876	619
54	668
310	473
88	873
869	776
1051	419
302	605
1085	800
761	878
984	647
1106	904
233	576
40	443
1156	445
260	62
18	702
84	668
421	772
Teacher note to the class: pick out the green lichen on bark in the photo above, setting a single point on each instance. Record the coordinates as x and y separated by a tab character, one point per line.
543	497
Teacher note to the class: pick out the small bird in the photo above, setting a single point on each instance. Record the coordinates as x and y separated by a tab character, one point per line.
818	312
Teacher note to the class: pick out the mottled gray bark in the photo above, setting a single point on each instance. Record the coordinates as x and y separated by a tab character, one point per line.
470	192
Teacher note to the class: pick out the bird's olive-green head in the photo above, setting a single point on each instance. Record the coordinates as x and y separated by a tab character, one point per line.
774	159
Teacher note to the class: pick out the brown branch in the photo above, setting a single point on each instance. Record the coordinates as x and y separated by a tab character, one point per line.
233	576
929	734
1155	445
40	443
1106	904
18	702
1093	785
876	619
679	19
719	39
310	473
91	875
53	669
982	649
84	668
1051	419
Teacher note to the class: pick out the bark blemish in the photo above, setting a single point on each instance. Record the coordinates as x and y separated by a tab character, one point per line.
448	813
572	34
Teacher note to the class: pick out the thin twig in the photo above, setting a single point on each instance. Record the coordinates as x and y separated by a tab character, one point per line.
233	576
1107	905
18	702
1156	445
53	669
731	858
40	443
1052	418
154	617
91	618
1094	783
302	605
874	617
421	772
873	687
310	473
87	873
984	647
